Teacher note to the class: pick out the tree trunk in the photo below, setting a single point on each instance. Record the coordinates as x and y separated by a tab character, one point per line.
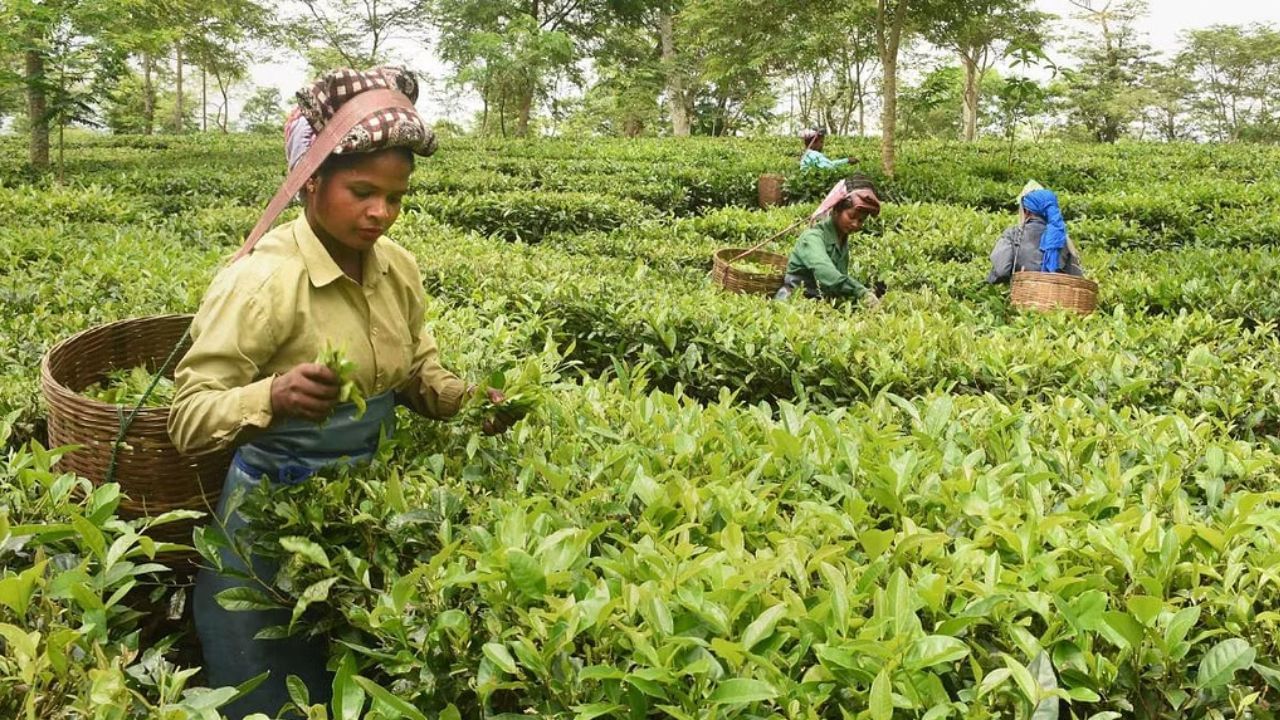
888	36
677	100
37	109
204	100
62	126
148	96
226	106
889	116
970	98
177	107
525	110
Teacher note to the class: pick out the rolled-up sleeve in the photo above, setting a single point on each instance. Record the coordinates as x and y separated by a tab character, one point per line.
219	388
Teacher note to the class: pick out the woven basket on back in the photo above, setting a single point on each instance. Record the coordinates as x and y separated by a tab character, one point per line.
769	190
151	473
1054	291
734	279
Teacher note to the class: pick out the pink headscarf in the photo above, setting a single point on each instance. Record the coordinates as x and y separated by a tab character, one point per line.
862	197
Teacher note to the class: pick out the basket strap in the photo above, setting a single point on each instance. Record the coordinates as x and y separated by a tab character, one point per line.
347	117
767	240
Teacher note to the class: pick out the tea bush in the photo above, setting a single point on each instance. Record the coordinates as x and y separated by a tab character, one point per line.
720	506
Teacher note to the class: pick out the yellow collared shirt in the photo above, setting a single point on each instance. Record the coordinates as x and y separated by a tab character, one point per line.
278	308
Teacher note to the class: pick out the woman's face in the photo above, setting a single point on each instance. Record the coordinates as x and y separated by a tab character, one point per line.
850	220
356	204
817	143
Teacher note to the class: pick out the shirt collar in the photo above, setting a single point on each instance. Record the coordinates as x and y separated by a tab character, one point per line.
321	268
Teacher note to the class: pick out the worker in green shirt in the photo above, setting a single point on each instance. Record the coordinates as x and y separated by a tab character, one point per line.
820	261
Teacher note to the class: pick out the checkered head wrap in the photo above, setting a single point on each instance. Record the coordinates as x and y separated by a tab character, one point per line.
392	127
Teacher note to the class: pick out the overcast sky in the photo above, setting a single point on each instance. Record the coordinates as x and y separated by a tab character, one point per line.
1166	19
1163	24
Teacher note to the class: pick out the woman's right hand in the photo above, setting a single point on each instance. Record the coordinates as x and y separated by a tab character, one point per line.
308	391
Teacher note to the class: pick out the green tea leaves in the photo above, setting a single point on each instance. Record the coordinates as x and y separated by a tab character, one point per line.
1222	662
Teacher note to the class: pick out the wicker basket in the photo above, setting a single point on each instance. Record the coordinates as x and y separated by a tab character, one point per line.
151	473
1054	291
736	280
769	190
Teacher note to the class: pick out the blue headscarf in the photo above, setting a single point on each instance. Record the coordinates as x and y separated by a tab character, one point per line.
1045	204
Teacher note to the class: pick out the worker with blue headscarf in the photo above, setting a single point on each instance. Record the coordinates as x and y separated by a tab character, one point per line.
1039	243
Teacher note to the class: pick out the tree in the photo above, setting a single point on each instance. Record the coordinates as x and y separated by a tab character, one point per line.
715	59
33	25
263	112
1170	89
513	51
732	47
891	24
58	42
832	71
630	79
221	42
981	33
1016	100
676	74
1107	92
353	33
1235	72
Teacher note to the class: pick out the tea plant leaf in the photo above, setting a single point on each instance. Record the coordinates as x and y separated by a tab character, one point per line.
1121	629
1022	677
298	692
595	710
740	691
762	627
245	598
1145	608
248	686
876	542
1041	669
390	702
307	549
1222	662
348	696
526	574
880	702
935	650
501	656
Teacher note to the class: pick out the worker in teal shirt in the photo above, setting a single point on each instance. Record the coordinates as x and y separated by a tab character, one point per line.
820	261
813	158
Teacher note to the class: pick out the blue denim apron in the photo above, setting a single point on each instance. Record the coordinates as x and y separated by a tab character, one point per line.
287	453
